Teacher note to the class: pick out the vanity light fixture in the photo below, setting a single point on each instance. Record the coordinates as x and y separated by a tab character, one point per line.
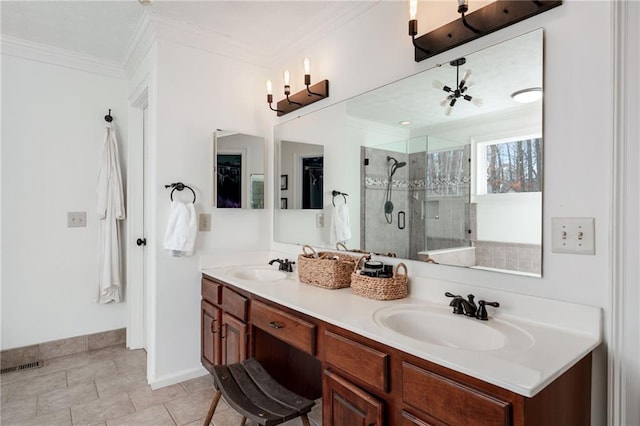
460	88
527	96
490	18
311	94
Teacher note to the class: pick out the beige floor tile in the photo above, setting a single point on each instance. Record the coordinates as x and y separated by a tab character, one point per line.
131	360
108	353
64	398
198	384
57	418
192	407
101	410
146	397
122	382
152	416
226	417
95	369
16	411
16	376
63	363
36	385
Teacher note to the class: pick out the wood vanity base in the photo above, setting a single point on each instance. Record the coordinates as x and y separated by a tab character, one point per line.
364	382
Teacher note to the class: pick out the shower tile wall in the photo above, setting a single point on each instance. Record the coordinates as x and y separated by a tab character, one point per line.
418	203
511	256
378	235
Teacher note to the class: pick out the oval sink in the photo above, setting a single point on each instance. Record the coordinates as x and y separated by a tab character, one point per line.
439	326
257	274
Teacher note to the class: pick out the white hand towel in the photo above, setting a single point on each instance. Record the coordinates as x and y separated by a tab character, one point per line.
180	236
340	225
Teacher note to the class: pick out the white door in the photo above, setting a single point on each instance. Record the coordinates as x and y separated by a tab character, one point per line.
137	218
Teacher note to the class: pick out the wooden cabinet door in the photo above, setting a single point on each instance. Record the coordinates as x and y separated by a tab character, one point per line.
234	339
210	335
344	404
409	419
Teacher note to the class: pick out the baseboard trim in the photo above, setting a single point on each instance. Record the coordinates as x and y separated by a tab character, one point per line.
180	376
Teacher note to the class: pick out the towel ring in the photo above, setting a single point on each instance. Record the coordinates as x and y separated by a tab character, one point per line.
335	193
180	187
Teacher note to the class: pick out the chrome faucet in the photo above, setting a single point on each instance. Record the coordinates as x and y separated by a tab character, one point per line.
468	307
285	265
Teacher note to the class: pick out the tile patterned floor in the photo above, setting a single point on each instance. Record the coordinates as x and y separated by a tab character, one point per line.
108	387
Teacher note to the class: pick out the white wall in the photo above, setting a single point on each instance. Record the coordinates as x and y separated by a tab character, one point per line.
578	134
53	132
195	96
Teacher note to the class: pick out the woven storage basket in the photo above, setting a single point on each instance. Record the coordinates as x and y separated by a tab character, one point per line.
341	246
325	269
380	288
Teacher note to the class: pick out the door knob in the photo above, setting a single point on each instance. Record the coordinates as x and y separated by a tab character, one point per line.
141	242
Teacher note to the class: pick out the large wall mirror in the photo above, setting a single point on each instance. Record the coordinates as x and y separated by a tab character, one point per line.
442	166
238	170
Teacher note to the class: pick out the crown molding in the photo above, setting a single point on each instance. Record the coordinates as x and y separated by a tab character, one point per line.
203	39
20	48
139	45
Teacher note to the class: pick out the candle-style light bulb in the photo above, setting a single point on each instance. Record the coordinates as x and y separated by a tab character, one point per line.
269	88
286	77
307	73
413	9
306	65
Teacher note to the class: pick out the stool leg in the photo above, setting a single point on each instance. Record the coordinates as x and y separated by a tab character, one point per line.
305	420
212	408
244	421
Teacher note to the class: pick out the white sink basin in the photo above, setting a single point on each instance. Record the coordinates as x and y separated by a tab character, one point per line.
257	273
439	326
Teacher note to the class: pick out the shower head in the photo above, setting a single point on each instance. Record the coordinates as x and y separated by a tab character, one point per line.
396	164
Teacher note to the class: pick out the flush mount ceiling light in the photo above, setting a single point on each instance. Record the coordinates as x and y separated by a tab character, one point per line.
301	99
404	123
526	96
460	88
483	21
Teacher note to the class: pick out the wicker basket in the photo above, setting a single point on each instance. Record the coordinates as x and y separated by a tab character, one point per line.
325	269
380	288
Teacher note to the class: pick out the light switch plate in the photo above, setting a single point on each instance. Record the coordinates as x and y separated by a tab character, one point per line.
204	222
319	220
573	235
76	219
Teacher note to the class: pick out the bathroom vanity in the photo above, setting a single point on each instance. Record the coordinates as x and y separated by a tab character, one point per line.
335	345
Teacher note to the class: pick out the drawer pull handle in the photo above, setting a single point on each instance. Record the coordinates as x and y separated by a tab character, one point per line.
276	324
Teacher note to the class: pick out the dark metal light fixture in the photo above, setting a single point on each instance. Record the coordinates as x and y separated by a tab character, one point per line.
460	88
483	21
311	94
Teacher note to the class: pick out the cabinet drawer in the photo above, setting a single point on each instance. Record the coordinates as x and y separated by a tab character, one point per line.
211	291
367	364
284	326
234	304
450	401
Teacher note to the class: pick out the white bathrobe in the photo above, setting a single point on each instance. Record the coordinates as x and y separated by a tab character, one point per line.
110	210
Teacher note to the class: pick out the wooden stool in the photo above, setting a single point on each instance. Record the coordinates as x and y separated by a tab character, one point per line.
249	389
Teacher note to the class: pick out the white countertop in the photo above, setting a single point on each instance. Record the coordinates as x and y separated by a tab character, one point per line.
558	344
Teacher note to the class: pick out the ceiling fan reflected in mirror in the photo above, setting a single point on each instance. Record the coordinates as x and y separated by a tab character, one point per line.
460	88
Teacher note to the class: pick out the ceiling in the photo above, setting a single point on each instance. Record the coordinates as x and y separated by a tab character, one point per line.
496	72
104	29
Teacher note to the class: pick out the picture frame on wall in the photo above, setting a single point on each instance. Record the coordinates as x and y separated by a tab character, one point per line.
284	182
283	203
